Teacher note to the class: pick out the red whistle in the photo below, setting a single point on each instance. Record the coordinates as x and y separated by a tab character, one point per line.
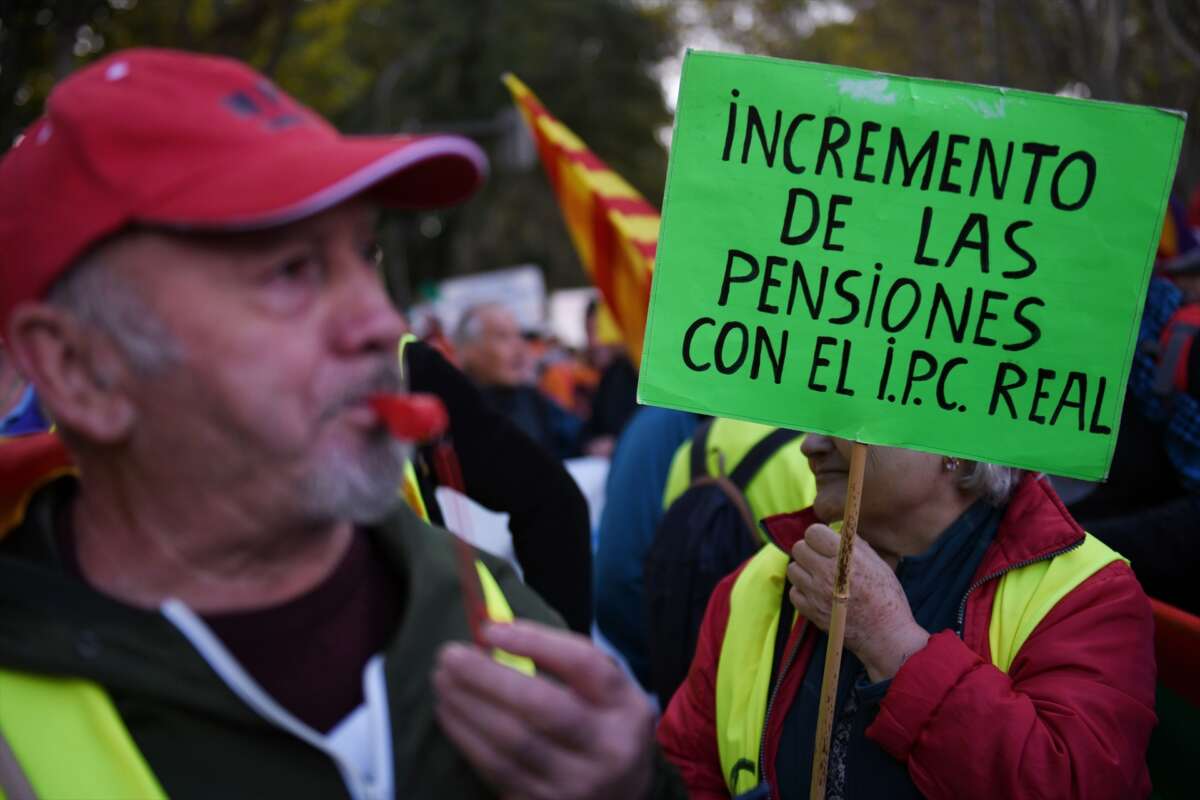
411	417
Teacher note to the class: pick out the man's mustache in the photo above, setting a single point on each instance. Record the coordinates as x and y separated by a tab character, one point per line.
386	380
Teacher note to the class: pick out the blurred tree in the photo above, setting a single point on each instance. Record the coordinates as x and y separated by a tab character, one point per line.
590	62
1137	51
42	40
388	66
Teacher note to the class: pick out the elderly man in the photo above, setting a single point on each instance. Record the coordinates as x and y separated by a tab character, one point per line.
491	349
224	600
494	355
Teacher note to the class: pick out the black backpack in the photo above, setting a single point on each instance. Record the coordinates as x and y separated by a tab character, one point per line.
705	534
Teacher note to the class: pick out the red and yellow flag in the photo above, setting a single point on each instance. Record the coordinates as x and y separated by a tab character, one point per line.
614	229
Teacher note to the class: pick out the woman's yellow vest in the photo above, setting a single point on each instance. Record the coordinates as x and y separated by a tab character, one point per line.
1023	598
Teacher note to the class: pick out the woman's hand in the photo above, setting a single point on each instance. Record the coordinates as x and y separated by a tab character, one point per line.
880	628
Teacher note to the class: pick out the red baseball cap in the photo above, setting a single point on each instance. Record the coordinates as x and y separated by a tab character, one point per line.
192	142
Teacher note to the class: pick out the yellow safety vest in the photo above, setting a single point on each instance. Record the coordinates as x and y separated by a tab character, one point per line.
1023	598
69	741
410	489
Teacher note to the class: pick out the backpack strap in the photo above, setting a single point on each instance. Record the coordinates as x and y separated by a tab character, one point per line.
754	460
699	459
737	498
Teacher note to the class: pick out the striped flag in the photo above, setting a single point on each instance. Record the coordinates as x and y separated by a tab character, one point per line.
614	229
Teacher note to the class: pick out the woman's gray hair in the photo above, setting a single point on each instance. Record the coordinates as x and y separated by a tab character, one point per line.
992	482
95	294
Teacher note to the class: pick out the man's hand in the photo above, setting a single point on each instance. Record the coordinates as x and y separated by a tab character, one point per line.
588	735
880	628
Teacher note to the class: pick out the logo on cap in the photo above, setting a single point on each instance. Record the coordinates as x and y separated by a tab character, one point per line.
265	102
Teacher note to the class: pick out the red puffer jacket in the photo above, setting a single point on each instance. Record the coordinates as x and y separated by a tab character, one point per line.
1071	719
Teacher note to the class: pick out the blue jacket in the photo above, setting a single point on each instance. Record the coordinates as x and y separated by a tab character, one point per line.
636	481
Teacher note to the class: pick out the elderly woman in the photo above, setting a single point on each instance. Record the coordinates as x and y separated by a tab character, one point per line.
993	649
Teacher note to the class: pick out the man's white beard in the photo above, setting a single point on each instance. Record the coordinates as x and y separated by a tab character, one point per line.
362	488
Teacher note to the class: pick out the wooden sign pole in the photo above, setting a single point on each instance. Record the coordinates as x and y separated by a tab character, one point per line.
837	622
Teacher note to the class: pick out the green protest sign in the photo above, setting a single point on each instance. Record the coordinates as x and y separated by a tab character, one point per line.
916	263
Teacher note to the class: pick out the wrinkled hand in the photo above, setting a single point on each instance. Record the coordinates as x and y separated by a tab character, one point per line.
588	736
880	628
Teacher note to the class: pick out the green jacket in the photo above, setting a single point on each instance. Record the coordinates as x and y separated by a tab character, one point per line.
199	739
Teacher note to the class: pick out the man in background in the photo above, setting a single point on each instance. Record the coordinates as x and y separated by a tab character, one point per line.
496	357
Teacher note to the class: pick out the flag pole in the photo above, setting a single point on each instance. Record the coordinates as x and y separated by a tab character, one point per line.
837	622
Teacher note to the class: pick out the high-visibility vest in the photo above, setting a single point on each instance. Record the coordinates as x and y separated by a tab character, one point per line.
62	737
410	489
1023	598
